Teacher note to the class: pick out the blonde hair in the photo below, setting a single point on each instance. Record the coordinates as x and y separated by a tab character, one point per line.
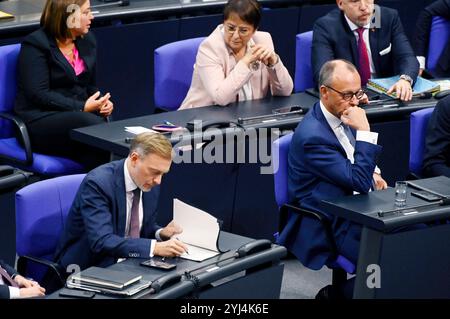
152	143
55	15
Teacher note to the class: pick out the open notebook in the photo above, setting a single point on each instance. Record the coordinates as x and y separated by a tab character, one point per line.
200	231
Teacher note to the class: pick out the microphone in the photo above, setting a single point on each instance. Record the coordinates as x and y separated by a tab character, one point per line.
122	3
253	247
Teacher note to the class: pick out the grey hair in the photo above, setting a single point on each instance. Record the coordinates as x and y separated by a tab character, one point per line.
327	71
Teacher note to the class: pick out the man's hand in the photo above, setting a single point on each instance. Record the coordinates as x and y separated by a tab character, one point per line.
402	89
380	183
170	248
170	230
32	292
25	283
356	118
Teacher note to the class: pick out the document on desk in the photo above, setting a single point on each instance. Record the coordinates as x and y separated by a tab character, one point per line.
200	231
138	129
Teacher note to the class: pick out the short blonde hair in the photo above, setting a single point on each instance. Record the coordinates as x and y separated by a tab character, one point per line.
55	15
152	143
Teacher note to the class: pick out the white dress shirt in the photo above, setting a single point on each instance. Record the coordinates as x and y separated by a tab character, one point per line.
14	292
354	27
130	186
338	129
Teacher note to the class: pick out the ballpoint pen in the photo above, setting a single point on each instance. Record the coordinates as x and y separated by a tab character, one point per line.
168	123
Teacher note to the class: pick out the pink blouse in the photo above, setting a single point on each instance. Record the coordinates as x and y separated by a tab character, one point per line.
77	63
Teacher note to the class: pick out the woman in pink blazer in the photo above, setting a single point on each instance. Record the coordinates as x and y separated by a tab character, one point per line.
237	62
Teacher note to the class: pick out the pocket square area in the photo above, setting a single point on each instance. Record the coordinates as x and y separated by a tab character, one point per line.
387	50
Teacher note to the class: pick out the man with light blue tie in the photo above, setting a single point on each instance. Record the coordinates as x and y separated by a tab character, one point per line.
333	153
13	285
369	36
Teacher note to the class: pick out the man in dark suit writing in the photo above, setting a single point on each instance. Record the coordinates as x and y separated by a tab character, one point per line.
373	40
332	153
13	285
114	212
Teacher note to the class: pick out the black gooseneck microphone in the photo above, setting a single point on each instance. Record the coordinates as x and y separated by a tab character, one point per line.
122	3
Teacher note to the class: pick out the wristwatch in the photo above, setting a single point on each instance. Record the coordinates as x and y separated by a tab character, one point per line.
407	78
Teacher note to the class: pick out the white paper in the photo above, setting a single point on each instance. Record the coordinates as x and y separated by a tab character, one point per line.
200	231
138	129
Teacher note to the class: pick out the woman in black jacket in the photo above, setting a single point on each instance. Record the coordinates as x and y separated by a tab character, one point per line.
56	82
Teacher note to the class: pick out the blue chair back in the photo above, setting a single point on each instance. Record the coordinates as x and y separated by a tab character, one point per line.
439	35
303	69
280	151
8	85
41	211
174	65
417	133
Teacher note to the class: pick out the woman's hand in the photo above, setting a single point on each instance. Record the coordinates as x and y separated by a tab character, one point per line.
94	103
107	109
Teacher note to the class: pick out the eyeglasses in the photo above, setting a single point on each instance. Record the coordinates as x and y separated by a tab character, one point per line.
231	29
349	95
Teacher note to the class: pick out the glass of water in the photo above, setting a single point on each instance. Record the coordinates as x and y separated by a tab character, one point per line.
400	193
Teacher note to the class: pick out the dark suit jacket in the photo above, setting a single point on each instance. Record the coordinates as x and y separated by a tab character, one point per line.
47	82
437	145
4	290
333	39
94	234
422	36
318	169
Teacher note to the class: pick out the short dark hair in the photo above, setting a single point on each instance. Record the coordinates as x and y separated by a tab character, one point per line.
327	71
55	15
248	10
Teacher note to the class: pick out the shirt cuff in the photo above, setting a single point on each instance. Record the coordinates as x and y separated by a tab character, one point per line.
157	236
14	293
152	247
422	61
366	136
377	170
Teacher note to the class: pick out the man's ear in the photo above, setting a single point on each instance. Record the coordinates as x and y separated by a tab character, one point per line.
323	92
134	156
339	3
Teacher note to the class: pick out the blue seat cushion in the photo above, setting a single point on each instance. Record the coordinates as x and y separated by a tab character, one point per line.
42	164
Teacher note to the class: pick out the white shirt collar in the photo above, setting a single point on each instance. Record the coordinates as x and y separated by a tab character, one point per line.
332	120
130	185
353	26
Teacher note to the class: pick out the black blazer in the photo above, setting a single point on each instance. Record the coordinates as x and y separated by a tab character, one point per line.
4	290
422	35
333	39
437	144
47	82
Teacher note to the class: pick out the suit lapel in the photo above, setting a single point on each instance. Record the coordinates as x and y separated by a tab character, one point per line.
351	39
59	56
374	34
85	53
321	118
120	195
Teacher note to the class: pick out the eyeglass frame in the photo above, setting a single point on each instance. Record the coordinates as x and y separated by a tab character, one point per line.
353	94
231	32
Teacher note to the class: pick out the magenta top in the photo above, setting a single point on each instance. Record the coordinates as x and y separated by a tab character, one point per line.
77	63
